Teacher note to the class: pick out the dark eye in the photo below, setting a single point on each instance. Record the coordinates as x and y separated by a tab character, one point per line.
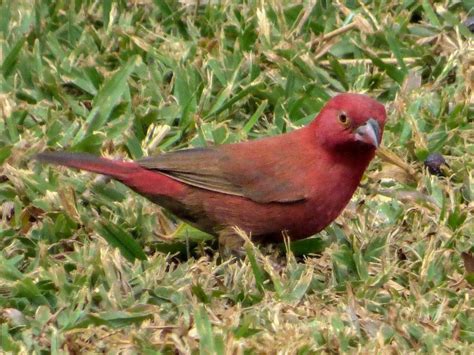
343	118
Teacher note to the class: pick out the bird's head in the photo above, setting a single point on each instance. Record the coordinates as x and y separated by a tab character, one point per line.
350	122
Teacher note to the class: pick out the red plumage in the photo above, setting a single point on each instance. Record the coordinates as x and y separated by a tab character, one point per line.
297	182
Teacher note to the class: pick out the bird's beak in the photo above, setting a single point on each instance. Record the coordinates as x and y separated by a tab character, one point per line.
369	133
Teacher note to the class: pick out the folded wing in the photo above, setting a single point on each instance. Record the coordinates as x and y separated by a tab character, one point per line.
234	170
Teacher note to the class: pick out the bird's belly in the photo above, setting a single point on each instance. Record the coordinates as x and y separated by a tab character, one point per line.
265	222
212	212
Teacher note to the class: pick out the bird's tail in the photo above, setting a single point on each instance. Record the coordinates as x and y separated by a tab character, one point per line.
115	169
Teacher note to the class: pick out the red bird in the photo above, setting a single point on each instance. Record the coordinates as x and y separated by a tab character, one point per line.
297	182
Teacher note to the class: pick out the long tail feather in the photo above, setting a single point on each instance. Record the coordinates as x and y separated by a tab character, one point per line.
115	169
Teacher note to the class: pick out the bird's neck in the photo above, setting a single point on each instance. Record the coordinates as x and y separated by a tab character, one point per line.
353	155
348	163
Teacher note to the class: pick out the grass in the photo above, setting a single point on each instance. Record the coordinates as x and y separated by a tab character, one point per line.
87	265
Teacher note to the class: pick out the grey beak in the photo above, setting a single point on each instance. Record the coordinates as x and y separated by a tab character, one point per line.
369	133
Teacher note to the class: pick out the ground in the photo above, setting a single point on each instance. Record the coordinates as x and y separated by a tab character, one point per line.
86	265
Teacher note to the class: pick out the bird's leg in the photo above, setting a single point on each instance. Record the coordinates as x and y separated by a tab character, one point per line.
231	243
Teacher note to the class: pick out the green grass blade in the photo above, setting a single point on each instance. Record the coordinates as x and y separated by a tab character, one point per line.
11	58
204	328
119	238
109	96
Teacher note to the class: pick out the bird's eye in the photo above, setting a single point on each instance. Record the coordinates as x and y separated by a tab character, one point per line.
344	119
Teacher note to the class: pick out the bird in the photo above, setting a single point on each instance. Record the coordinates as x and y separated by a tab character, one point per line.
294	183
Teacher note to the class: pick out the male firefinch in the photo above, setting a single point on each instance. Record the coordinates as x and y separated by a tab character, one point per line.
297	182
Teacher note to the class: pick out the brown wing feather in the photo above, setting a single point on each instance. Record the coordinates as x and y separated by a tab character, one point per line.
233	170
200	167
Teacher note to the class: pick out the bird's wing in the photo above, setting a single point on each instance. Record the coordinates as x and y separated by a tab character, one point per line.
233	170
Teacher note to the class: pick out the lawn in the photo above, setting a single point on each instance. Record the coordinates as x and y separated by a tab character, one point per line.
86	265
